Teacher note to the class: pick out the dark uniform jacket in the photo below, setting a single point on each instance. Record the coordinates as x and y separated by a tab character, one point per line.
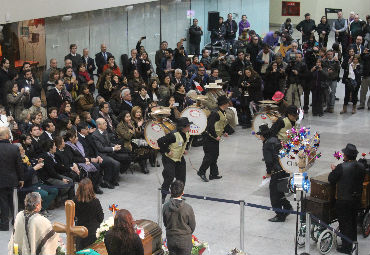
11	158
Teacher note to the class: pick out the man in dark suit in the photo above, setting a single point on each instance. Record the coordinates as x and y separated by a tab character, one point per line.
134	62
101	58
36	144
74	57
56	97
127	103
11	175
159	55
106	151
357	46
89	62
29	83
49	129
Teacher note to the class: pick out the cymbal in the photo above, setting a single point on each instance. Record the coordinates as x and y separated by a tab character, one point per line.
161	111
267	102
269	105
199	97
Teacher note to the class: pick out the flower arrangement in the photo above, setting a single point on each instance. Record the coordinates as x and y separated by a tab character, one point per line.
199	247
109	223
61	249
301	145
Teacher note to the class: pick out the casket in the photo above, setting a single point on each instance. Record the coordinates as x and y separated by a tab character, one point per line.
322	189
365	199
152	242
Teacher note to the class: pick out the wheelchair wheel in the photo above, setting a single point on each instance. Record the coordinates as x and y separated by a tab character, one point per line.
325	241
366	225
301	238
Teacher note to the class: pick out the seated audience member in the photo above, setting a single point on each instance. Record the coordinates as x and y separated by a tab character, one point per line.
89	212
179	78
175	113
24	122
127	103
179	96
142	99
75	152
115	102
86	117
36	107
36	118
105	150
166	89
37	144
153	90
111	122
85	101
50	173
26	142
84	78
201	77
48	130
135	82
56	96
29	83
122	238
111	65
53	115
206	59
65	110
104	85
126	130
31	181
75	119
41	227
95	110
70	82
17	100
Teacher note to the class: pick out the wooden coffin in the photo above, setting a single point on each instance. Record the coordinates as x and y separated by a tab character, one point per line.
365	199
152	242
322	189
322	209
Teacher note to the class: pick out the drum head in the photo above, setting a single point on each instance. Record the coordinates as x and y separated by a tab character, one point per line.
152	132
290	163
198	117
260	119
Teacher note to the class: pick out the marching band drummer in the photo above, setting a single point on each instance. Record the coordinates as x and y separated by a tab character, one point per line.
215	129
280	102
173	146
279	128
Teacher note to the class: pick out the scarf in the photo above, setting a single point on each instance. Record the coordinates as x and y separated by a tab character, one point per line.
86	75
78	147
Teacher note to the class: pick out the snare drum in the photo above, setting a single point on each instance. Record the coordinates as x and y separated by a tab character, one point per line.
198	117
157	129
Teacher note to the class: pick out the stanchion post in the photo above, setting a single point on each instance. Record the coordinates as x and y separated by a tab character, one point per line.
15	203
159	209
308	233
355	251
242	208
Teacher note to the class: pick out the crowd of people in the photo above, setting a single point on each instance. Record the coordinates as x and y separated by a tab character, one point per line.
90	123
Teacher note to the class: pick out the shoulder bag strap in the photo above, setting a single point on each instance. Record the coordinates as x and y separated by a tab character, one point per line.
44	240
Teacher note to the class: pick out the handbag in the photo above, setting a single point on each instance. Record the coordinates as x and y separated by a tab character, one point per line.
352	83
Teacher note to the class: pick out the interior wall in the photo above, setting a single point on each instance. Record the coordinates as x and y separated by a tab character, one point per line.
317	9
120	27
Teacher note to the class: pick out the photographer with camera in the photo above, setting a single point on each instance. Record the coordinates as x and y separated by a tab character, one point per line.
222	63
319	78
29	83
296	72
17	100
270	149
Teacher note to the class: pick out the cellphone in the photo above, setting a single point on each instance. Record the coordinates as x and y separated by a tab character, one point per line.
143	37
176	104
26	89
184	39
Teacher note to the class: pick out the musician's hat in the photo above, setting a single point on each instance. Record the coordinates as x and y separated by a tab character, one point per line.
213	86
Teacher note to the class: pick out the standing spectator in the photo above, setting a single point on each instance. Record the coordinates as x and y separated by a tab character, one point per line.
101	58
29	81
319	81
365	85
295	71
352	81
222	63
244	25
355	27
287	27
89	212
89	62
218	34
195	36
273	76
237	68
12	175
306	27
179	220
134	62
340	26
366	31
73	56
180	56
85	101
231	29
5	76
323	30
45	76
332	64
264	59
121	238
17	100
253	48
38	230
159	55
146	67
104	85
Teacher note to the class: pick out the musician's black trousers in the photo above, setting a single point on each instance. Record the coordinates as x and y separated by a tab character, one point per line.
211	149
172	170
347	217
277	197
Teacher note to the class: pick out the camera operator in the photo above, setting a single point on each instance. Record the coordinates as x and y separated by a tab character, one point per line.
271	147
333	66
296	72
29	83
312	54
348	178
222	63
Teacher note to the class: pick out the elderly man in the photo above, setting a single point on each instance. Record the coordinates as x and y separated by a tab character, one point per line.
101	58
45	76
126	100
12	175
36	107
33	233
89	62
179	78
339	27
106	150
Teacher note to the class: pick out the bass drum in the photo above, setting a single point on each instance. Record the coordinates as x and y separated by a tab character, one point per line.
260	119
157	129
198	117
